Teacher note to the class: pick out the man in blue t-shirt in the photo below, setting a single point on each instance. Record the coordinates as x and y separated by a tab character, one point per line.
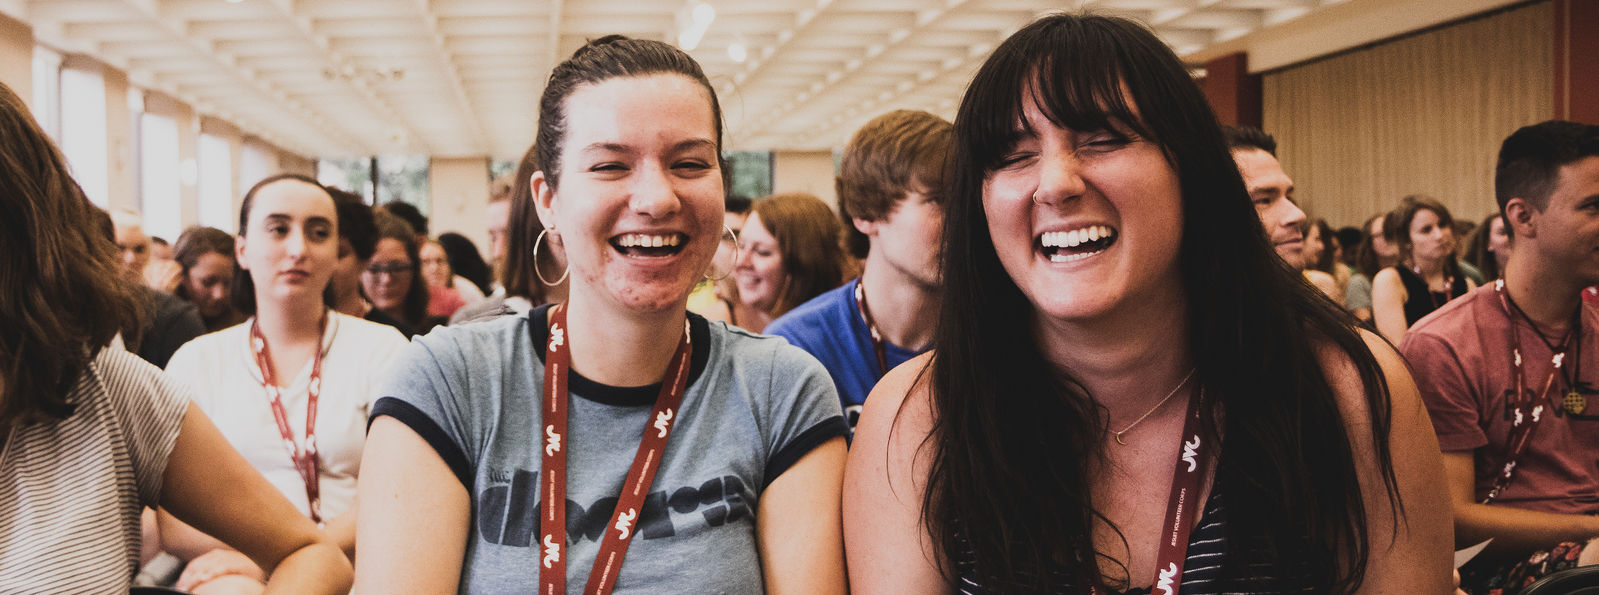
888	192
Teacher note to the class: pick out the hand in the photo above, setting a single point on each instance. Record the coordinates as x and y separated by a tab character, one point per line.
218	563
163	275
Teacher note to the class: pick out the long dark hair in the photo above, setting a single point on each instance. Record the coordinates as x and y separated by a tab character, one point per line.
522	232
62	296
1013	441
1480	251
465	260
392	227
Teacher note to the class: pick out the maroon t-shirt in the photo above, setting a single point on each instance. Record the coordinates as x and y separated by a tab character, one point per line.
1461	358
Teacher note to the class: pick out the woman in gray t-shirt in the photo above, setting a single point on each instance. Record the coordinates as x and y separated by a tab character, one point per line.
612	441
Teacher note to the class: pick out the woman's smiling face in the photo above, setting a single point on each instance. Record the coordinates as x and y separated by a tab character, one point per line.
1083	220
639	207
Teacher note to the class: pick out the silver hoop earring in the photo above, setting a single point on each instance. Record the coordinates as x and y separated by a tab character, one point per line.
540	274
738	249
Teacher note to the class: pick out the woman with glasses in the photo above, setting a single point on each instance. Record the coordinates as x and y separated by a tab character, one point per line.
393	278
290	387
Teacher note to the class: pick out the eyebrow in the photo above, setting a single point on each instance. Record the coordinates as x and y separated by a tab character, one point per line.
279	217
692	143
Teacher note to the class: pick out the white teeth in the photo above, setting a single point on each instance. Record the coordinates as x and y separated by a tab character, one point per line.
639	240
1076	237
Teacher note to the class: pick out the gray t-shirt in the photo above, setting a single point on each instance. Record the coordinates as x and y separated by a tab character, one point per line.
754	406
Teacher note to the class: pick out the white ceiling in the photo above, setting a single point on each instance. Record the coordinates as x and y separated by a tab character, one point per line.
463	77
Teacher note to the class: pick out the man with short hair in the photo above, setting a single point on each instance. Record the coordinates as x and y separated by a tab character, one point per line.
1271	190
888	190
1509	371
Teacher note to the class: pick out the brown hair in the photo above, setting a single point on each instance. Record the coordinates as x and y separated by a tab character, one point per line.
1396	228
807	235
393	227
881	163
521	231
55	250
198	241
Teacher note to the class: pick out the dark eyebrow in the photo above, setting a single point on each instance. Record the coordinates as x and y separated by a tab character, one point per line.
282	218
694	143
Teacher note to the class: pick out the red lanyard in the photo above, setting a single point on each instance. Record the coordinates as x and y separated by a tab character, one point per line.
878	345
1188	476
305	460
552	511
1526	410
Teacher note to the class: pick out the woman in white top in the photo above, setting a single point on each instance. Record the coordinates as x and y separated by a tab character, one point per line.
90	434
295	362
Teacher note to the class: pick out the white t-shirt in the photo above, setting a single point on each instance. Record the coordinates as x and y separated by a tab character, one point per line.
71	489
222	370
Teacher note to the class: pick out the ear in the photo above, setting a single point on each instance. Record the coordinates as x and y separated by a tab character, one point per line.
238	252
1522	218
866	227
543	199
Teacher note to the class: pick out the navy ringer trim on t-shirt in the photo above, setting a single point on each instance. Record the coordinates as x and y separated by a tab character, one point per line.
802	445
424	426
622	396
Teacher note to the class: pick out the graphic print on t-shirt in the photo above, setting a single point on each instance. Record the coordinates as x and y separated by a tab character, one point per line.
508	510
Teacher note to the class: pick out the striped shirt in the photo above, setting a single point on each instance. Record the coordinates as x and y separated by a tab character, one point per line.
1202	572
71	490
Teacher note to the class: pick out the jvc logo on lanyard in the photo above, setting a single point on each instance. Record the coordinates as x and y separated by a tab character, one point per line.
636	485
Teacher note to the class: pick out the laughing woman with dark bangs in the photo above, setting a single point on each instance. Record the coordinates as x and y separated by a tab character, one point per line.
1128	391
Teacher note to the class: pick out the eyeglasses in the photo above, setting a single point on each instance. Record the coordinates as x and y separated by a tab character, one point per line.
392	268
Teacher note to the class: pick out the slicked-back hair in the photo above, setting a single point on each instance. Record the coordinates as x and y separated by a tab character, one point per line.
1014	441
62	295
807	235
889	156
1531	157
195	242
243	284
1249	137
612	56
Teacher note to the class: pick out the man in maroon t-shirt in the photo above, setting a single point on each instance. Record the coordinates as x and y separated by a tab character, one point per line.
1534	330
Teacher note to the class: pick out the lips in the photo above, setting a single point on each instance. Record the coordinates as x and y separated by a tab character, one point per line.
1076	243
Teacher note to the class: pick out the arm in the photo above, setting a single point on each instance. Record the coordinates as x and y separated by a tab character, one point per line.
798	525
1388	305
1409	549
1326	284
886	544
209	485
414	515
1513	530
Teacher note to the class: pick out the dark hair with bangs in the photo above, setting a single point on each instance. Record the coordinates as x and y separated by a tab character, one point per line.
64	298
1013	443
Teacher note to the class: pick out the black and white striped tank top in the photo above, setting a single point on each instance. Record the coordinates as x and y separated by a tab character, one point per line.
1202	573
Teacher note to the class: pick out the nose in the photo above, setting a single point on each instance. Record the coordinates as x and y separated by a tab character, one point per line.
1059	178
1292	216
294	243
653	193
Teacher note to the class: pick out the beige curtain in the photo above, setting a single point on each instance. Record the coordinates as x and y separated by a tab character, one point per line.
1423	114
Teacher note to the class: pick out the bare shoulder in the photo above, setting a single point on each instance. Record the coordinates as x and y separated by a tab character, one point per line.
901	403
1353	400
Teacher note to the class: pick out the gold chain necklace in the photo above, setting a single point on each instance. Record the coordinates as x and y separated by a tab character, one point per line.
1152	410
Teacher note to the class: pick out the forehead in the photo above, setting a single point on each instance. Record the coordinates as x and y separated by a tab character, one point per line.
638	111
294	199
1578	180
390	249
1260	169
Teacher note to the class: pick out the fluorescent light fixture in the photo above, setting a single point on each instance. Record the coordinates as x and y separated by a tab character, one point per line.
692	22
737	52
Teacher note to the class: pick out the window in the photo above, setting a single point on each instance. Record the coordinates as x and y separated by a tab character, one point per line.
354	175
255	164
216	182
83	131
160	180
47	91
404	178
752	173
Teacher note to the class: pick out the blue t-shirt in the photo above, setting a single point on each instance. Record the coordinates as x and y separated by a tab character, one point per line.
830	328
